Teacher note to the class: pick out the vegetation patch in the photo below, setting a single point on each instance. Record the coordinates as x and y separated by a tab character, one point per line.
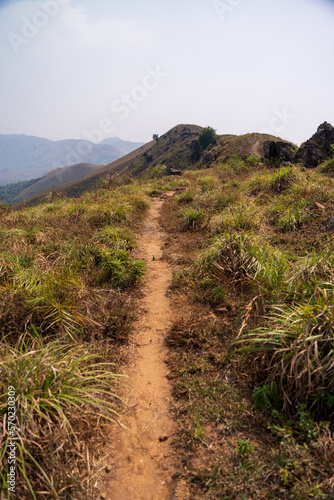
68	280
251	366
64	390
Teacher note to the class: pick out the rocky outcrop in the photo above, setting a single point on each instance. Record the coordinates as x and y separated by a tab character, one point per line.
207	158
318	148
196	148
278	151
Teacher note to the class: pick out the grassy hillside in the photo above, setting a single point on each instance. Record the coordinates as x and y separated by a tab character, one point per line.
251	348
55	178
66	275
92	181
10	191
68	283
251	355
252	362
173	149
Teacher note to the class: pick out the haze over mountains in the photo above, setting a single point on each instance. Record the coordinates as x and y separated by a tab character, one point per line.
24	157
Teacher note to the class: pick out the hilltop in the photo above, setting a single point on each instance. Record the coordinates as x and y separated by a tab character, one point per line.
176	149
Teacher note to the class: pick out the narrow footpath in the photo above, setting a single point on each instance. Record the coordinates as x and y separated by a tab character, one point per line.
142	463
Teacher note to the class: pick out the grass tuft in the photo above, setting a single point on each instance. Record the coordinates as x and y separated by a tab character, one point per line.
57	384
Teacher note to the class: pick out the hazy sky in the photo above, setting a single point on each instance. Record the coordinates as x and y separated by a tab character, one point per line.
96	68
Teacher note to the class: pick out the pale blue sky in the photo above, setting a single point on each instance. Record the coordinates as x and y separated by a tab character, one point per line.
97	68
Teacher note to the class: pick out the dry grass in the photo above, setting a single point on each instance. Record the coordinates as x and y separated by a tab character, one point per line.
247	238
231	445
67	285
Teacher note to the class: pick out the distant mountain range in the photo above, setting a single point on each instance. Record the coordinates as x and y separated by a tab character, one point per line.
24	157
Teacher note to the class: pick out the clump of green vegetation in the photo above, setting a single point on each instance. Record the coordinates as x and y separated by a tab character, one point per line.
120	269
158	171
328	166
242	216
290	214
236	217
223	201
266	396
283	179
66	281
192	219
236	165
120	238
244	449
259	183
58	384
248	261
300	342
4	205
207	136
275	183
207	183
253	160
185	197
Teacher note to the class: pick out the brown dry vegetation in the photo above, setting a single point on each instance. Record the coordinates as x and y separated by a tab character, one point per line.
67	284
173	149
253	395
251	345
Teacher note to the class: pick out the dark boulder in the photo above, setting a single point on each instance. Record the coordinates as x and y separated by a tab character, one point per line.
278	151
318	148
173	171
329	224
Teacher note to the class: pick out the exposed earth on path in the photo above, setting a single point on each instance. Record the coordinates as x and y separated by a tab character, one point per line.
142	462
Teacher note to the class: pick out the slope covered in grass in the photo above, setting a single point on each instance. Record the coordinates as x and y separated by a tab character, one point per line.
66	280
252	351
68	285
178	148
251	344
55	178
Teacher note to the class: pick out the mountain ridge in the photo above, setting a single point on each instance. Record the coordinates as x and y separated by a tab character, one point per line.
174	149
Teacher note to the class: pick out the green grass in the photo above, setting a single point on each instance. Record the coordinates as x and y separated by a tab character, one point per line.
261	281
192	219
298	347
57	385
251	366
53	263
290	216
67	275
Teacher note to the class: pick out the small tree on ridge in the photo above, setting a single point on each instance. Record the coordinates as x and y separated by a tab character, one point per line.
207	136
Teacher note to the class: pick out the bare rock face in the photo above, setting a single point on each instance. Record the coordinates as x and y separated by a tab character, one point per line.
318	148
278	151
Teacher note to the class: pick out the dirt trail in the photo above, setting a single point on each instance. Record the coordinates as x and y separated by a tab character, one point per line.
142	465
257	149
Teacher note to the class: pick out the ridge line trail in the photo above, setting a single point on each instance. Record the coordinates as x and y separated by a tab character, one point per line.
142	466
